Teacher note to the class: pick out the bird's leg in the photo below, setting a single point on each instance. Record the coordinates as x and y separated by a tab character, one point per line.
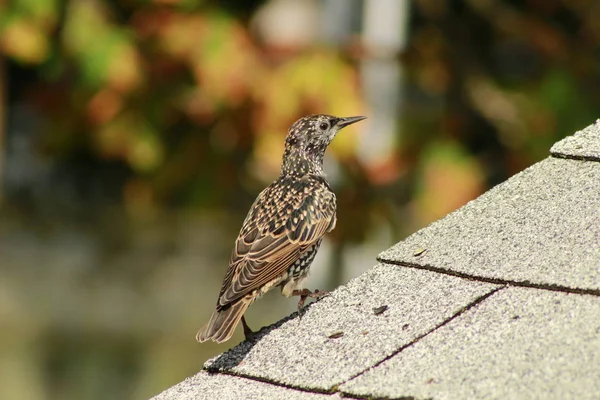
248	333
304	293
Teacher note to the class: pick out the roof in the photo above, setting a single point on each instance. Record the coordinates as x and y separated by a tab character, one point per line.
499	299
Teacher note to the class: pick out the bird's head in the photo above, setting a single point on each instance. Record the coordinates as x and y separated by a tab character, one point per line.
308	138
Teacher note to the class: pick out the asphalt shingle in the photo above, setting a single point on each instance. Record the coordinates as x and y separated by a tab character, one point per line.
540	228
518	343
499	299
584	144
226	387
301	354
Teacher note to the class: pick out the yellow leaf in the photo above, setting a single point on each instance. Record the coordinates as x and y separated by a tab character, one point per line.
24	41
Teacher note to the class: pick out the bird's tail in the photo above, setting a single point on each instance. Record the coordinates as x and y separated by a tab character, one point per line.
222	323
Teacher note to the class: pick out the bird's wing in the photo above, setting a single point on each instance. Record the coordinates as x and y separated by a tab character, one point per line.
280	226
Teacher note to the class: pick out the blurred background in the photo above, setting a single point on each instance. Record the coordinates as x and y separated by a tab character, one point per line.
134	136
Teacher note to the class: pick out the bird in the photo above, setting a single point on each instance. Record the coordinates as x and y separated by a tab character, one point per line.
283	229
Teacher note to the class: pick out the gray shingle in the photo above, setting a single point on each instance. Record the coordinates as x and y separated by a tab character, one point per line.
585	144
226	387
518	343
300	353
540	228
449	330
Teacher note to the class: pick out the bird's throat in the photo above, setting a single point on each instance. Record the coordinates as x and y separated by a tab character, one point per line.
300	163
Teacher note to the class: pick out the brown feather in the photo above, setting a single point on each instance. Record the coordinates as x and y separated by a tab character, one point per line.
222	323
284	227
274	250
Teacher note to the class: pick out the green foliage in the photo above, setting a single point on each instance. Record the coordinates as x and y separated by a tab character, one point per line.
192	106
25	28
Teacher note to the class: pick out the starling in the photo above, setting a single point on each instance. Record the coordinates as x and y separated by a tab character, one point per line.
283	229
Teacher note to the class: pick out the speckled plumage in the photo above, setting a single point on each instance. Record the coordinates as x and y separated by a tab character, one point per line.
283	229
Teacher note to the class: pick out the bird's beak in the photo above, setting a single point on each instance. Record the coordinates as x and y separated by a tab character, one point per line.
343	122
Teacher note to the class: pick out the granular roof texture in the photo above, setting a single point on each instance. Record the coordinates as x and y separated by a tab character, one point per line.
500	299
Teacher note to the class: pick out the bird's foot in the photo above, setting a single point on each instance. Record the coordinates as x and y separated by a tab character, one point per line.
248	333
304	294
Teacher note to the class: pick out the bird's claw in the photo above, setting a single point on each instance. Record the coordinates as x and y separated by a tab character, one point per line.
318	294
304	294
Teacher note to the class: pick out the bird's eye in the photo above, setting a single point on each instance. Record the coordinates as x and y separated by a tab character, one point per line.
324	126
